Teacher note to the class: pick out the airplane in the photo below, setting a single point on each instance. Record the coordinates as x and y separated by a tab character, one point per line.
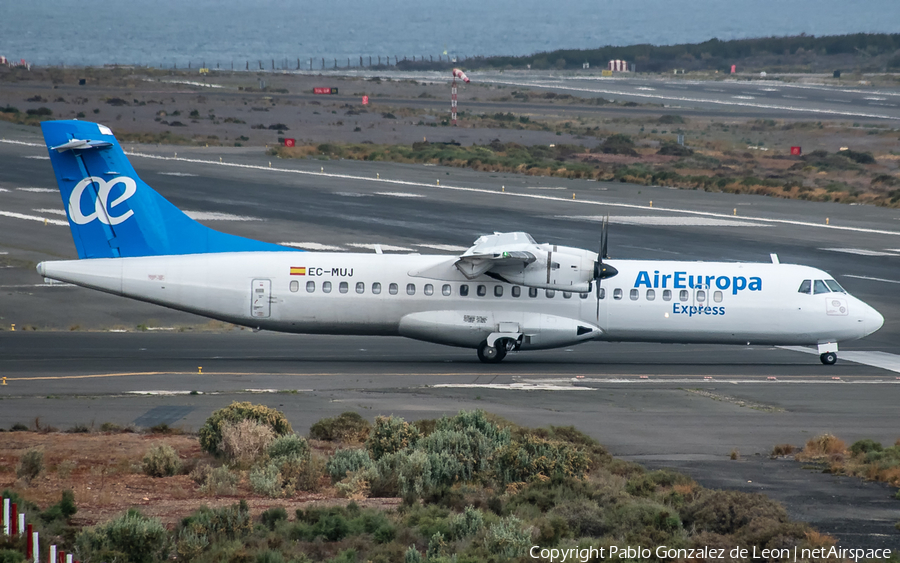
506	293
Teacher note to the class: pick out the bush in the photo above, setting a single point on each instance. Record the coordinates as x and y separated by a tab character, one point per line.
267	481
349	428
856	156
534	457
617	144
346	461
865	446
211	432
63	510
190	545
390	435
674	149
290	446
40	112
271	517
412	556
220	524
31	464
11	556
131	537
220	481
822	446
506	538
726	512
465	524
245	441
783	450
161	461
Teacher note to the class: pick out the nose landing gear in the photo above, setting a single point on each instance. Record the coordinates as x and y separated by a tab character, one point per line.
828	358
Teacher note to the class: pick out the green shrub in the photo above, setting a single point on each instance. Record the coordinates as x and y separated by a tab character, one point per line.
470	439
674	149
211	432
267	480
348	461
220	524
865	446
245	441
11	556
412	555
532	457
617	143
190	545
349	427
271	517
161	461
506	538
584	517
63	510
437	547
269	556
465	524
726	512
31	464
390	435
220	481
289	446
131	538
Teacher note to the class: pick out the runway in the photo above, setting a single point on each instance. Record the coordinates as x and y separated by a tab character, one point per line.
660	404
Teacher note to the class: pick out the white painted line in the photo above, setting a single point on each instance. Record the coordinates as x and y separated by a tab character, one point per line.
37	157
34	218
23	143
38	190
743	97
882	104
870	279
180	174
875	98
51	211
836	100
3	190
444	247
645	88
515	386
398	194
386	247
698	100
311	246
4	252
860	251
213	216
664	221
54	284
545	188
883	360
793	97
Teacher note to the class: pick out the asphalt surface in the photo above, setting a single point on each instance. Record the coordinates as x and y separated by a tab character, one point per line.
695	405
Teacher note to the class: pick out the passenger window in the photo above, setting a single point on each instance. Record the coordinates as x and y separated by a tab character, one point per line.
550	293
376	288
410	289
445	290
683	295
532	292
463	290
516	291
805	286
584	295
498	291
295	286
651	295
393	288
360	287
701	296
310	286
602	293
667	295
344	287
834	286
326	287
567	294
617	294
429	289
481	290
717	296
820	287
634	294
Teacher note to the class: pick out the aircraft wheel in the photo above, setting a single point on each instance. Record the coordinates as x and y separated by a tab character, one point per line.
491	354
828	358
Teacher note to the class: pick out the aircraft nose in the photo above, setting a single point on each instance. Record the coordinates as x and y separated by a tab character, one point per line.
874	320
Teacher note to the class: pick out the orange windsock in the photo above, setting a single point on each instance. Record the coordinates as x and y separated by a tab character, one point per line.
461	75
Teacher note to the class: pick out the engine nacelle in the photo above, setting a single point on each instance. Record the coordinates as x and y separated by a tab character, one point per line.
555	267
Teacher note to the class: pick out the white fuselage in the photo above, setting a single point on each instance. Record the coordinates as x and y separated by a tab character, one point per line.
422	297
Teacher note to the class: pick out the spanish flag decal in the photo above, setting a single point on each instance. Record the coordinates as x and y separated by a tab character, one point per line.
298	271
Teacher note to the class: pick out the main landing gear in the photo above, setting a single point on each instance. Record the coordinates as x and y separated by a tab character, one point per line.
828	358
491	354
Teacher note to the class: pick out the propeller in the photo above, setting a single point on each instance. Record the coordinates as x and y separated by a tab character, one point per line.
601	270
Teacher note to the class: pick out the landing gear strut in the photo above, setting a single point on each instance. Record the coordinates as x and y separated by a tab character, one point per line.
828	358
491	354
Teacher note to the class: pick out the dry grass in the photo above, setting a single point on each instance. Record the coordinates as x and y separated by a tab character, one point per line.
824	447
782	450
816	539
245	441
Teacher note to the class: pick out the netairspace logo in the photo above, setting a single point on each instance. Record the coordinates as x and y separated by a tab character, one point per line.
664	553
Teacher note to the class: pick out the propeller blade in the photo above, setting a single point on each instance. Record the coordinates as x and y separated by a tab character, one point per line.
604	239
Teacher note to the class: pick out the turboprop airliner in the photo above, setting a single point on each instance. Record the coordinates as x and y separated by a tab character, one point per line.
507	293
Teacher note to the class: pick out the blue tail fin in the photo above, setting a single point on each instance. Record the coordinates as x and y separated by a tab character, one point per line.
112	212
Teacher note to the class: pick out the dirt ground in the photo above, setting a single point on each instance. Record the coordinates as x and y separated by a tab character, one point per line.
104	472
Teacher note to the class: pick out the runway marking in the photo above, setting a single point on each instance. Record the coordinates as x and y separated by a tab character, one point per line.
883	360
868	278
874	98
3	190
695	100
37	157
743	97
38	190
793	97
34	218
51	284
180	174
445	247
387	247
494	192
312	246
861	251
525	386
214	216
663	221
398	194
51	211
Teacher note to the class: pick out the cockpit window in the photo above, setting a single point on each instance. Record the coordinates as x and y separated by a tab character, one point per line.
820	287
805	286
835	286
